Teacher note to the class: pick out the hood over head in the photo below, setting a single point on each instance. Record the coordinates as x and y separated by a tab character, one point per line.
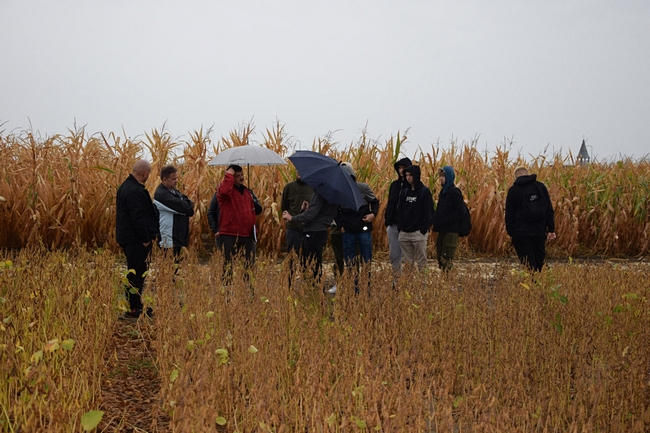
526	179
406	162
450	177
415	172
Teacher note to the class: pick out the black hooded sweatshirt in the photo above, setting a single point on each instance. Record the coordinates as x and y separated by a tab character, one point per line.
416	210
516	223
394	191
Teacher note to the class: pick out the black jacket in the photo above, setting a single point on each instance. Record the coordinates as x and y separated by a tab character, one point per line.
416	210
213	214
174	212
516	223
449	211
136	219
394	191
352	220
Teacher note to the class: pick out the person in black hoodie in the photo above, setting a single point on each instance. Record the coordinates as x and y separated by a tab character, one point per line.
447	219
415	216
136	226
530	219
392	209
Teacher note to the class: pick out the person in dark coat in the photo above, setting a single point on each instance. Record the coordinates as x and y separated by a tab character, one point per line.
392	210
416	213
174	211
315	222
356	227
295	198
530	219
446	222
136	227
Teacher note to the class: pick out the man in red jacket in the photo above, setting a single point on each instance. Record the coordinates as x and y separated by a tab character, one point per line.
237	209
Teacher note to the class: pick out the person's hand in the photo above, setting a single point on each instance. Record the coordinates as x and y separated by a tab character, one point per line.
304	205
231	171
286	216
550	237
342	229
368	218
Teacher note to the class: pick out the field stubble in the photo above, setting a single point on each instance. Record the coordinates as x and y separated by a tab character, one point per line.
487	348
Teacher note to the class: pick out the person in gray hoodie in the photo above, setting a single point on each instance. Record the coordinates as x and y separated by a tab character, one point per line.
416	213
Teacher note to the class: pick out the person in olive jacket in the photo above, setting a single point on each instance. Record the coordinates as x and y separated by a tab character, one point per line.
136	227
447	219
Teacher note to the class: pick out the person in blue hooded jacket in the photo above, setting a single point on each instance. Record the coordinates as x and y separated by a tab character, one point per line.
414	218
446	222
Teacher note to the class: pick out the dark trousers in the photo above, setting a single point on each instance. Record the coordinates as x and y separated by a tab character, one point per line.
446	245
136	258
313	244
531	250
294	244
232	246
336	242
355	246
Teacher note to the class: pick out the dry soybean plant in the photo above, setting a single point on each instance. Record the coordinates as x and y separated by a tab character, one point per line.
478	350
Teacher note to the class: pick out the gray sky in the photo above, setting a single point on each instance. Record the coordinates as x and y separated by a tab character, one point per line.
546	73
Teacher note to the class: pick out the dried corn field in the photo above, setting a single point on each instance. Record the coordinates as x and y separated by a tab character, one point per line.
485	349
60	190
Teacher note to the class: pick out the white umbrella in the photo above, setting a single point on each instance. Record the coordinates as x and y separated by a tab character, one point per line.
247	155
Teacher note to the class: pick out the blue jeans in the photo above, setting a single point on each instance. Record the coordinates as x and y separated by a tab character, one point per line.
352	241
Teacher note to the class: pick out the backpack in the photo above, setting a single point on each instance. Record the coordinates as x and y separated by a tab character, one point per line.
465	225
534	205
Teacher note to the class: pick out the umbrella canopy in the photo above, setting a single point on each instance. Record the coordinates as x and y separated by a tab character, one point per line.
326	176
247	155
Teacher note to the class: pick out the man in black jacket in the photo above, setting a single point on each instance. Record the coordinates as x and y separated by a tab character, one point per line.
415	217
174	210
392	209
356	227
136	227
530	220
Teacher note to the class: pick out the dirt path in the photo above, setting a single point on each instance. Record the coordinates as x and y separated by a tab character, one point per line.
131	387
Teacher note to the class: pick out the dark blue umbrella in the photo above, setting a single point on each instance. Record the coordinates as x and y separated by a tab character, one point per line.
326	176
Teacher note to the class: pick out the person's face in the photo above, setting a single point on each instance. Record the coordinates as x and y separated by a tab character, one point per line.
145	175
400	170
409	178
239	178
171	181
443	179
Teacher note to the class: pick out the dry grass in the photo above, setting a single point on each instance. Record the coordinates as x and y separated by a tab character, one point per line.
471	352
486	349
60	191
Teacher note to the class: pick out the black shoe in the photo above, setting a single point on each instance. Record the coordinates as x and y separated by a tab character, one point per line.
149	313
131	315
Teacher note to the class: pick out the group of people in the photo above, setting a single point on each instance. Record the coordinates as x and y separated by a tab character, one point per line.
310	219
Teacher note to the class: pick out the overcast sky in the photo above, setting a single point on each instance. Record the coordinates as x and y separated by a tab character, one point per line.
544	73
